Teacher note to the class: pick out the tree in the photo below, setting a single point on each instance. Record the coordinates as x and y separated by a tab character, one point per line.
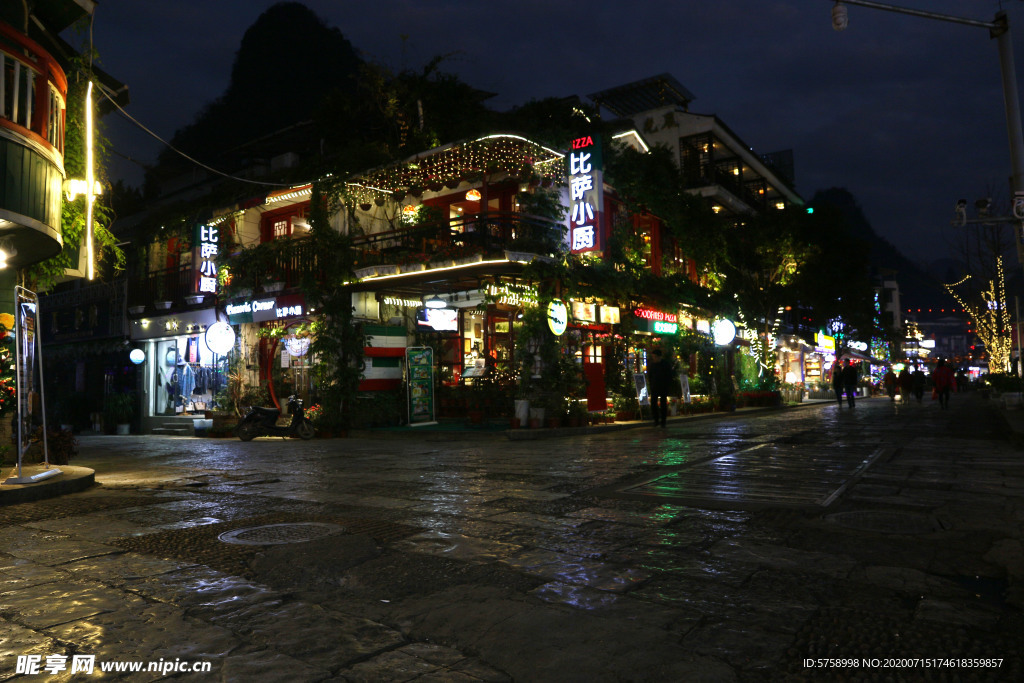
758	266
991	316
337	341
981	290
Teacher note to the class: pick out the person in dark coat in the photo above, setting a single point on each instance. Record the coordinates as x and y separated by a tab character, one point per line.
918	383
837	381
906	383
659	381
850	378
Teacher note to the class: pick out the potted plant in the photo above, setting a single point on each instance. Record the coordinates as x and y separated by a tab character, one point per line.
119	409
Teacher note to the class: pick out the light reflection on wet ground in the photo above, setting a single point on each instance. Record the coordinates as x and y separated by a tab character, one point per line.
618	523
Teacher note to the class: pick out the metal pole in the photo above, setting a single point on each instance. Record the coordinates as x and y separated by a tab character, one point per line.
999	28
920	13
1011	101
1017	303
17	371
42	383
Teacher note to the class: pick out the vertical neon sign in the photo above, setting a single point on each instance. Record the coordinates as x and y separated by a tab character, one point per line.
207	242
585	194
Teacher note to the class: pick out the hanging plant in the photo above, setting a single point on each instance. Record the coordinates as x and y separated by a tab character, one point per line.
365	206
416	191
379	201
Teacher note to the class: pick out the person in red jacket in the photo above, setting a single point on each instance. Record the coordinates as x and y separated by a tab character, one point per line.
945	382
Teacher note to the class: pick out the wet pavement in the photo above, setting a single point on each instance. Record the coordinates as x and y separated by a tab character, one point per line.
816	543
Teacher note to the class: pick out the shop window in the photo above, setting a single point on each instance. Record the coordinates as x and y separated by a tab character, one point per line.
187	375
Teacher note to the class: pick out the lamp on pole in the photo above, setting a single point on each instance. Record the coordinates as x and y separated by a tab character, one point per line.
998	28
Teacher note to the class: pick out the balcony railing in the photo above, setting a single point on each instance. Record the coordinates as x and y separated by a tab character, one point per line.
171	284
487	233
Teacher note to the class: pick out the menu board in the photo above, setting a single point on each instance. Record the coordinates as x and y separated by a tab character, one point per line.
419	361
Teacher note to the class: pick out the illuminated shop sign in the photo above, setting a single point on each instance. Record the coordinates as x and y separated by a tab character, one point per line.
438	319
704	326
610	315
405	303
220	337
723	332
659	316
585	194
558	317
260	310
657	322
512	294
584	313
825	342
858	346
207	243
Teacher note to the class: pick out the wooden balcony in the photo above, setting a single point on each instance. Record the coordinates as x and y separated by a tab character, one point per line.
490	233
484	233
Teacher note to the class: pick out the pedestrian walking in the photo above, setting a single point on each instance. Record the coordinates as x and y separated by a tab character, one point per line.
906	383
961	380
917	378
945	383
850	381
837	381
889	382
659	380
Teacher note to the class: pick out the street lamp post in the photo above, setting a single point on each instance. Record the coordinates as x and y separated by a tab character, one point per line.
998	28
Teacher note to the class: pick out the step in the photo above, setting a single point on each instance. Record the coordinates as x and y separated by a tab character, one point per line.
172	431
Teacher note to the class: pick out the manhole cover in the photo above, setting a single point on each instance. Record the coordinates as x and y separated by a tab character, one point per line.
886	522
279	534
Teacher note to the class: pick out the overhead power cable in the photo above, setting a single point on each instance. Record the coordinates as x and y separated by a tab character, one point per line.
183	154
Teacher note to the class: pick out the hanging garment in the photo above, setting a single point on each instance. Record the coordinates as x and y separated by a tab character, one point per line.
188	380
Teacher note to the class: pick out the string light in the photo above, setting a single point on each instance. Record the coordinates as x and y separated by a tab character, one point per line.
991	319
506	153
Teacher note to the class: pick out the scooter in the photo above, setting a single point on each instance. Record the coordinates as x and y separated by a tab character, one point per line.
261	421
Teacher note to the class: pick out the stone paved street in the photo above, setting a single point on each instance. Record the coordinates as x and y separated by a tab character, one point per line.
735	547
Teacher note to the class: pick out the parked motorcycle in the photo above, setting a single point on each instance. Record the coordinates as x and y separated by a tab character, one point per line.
261	421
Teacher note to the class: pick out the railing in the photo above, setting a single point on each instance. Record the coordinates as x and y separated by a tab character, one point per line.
171	284
490	232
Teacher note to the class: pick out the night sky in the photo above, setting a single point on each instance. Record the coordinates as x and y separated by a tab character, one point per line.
905	112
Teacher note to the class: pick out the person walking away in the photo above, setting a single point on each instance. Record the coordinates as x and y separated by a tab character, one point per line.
659	379
889	381
850	382
906	383
945	382
917	378
837	381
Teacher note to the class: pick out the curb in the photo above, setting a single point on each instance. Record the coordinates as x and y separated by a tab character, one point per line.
72	480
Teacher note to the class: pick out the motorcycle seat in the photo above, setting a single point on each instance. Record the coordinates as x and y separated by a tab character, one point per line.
260	410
